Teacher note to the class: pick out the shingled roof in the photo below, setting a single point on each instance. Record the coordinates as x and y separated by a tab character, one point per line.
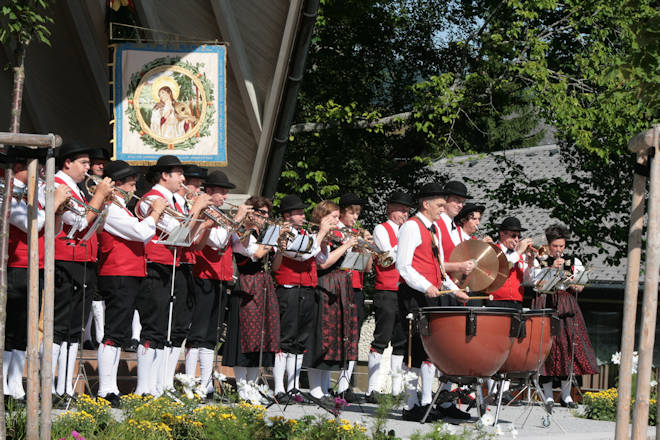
542	161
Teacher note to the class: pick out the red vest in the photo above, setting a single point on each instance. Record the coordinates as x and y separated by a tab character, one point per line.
447	243
423	260
297	273
387	278
159	253
76	249
188	255
512	288
18	247
121	257
213	264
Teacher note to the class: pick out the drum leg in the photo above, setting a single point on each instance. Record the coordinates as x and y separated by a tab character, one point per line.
481	404
431	406
500	392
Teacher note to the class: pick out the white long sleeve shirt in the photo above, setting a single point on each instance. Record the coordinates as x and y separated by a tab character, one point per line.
382	238
120	223
166	223
410	238
19	210
514	258
69	217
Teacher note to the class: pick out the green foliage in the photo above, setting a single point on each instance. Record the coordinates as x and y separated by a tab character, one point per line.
15	421
25	20
602	405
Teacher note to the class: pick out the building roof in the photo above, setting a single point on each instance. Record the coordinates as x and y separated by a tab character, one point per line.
543	162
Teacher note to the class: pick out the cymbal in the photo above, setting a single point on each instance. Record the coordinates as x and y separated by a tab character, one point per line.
504	267
487	264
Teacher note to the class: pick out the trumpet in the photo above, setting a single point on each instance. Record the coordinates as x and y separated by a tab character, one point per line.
169	211
383	257
91	181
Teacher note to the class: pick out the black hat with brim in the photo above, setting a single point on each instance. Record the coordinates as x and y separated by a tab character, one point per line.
71	150
291	202
167	162
219	179
22	154
195	172
510	224
99	154
402	198
455	188
119	170
430	190
468	209
350	199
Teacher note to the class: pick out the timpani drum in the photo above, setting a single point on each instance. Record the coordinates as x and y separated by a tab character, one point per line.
467	341
532	346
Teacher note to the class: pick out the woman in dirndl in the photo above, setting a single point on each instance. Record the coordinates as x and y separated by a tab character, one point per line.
335	339
253	308
571	348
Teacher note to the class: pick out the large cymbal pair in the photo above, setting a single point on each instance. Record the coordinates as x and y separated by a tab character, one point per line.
491	266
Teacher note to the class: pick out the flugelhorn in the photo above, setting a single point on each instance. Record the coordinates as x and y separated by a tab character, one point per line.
91	181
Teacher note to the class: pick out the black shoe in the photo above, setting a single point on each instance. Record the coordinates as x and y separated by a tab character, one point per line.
453	412
416	414
373	397
113	399
571	404
549	404
90	345
133	346
351	397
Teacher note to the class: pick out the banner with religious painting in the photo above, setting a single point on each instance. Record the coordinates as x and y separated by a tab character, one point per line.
170	100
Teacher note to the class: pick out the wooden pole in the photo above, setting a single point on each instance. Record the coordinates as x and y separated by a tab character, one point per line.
630	302
650	305
33	305
49	289
30	140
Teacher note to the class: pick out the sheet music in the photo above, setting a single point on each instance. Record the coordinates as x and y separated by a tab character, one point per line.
301	244
580	279
355	261
548	280
271	235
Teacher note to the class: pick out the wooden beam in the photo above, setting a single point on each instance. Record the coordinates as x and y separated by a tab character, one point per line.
240	64
95	61
275	95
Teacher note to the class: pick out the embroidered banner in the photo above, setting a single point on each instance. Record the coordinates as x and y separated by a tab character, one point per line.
170	100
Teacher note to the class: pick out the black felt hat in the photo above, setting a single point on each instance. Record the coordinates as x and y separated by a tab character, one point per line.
20	154
167	162
430	190
291	202
71	150
510	224
468	209
349	199
99	154
119	170
402	198
219	178
194	171
455	188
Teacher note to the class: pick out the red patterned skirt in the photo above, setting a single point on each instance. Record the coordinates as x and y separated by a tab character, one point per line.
335	339
573	333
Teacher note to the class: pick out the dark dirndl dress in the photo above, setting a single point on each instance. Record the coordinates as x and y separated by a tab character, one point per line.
252	299
334	341
573	329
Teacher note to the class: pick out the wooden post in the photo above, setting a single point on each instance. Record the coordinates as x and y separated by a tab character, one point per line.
650	305
49	289
33	305
630	302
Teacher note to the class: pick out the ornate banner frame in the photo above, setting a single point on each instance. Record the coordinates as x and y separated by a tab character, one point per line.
170	100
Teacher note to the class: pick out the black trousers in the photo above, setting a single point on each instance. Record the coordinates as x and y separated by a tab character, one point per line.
359	302
153	305
209	313
17	307
298	307
72	302
120	293
388	326
184	304
410	301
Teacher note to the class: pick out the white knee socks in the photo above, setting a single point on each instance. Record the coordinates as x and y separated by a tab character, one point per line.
158	373
411	387
15	379
396	364
108	358
315	382
206	368
566	386
145	360
98	309
192	356
427	373
547	391
66	368
293	366
136	328
171	362
251	374
56	355
6	362
344	381
279	368
374	371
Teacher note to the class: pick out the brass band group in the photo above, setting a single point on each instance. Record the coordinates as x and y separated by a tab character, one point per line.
180	275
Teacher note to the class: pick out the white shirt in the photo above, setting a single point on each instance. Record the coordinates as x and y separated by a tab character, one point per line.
19	210
166	223
218	238
69	217
454	233
238	247
410	238
382	238
514	259
120	223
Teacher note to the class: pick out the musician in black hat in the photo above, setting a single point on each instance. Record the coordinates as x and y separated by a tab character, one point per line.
296	279
17	271
452	235
469	219
386	307
420	263
98	157
75	260
571	348
122	266
154	297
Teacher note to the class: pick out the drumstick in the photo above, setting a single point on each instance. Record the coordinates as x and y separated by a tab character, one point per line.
410	318
488	297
